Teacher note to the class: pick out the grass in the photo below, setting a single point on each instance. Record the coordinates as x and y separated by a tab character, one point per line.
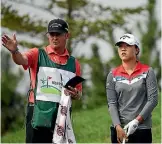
91	126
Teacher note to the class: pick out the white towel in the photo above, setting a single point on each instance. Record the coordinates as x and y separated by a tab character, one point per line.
63	132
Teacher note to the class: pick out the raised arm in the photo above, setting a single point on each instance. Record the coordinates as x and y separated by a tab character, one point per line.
11	45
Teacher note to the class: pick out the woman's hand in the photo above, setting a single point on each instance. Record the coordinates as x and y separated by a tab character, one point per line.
120	134
131	127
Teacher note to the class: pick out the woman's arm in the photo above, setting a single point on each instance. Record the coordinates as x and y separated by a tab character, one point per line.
112	99
152	94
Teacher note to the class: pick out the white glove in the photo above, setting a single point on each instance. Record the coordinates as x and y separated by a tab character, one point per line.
131	126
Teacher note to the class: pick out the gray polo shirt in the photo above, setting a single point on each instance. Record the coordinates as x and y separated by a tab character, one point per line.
130	96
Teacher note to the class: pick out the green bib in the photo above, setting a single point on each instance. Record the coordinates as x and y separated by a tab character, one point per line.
47	93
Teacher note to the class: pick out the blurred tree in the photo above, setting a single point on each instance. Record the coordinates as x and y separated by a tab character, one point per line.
12	103
150	52
98	79
86	20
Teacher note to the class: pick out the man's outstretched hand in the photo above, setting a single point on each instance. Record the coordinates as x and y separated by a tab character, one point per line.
9	43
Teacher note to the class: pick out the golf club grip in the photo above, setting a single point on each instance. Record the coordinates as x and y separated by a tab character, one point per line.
123	141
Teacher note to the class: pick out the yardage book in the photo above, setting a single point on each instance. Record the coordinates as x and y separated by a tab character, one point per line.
74	81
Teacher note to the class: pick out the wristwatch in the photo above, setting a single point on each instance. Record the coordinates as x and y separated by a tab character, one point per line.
15	51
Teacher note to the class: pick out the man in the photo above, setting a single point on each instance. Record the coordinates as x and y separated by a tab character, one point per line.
49	68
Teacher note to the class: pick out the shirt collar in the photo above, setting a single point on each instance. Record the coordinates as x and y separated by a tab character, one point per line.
50	50
138	67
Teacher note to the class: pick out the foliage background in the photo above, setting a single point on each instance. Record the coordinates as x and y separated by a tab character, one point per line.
86	19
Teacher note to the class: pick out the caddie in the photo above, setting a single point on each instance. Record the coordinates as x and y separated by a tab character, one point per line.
50	68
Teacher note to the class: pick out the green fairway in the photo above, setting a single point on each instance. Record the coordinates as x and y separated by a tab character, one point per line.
91	126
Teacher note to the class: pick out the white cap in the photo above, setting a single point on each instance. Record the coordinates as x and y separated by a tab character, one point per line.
129	39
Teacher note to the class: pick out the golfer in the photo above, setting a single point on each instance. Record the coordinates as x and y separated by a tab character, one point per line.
132	94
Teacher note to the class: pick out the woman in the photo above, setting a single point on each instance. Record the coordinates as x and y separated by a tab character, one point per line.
132	95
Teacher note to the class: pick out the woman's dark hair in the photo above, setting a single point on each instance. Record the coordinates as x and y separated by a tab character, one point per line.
137	48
